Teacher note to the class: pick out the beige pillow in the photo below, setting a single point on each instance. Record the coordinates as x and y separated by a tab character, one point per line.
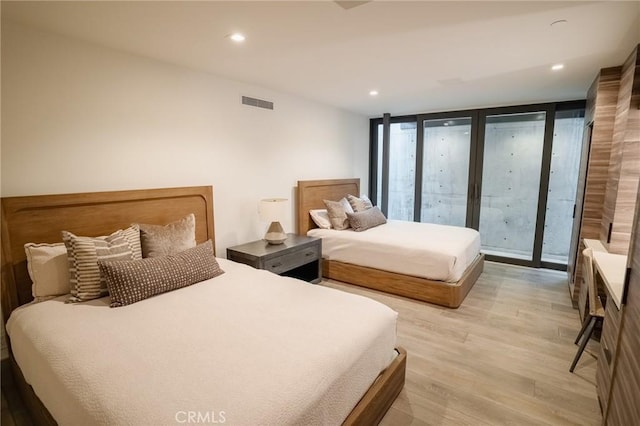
162	240
83	254
135	280
321	218
337	211
370	218
359	204
48	269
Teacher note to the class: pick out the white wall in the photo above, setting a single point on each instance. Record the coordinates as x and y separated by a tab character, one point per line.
79	117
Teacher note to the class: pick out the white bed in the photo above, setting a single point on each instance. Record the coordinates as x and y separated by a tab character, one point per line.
194	350
426	250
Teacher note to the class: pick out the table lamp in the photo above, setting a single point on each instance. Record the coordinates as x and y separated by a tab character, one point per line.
273	210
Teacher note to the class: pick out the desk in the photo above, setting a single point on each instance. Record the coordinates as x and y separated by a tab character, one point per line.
595	245
612	269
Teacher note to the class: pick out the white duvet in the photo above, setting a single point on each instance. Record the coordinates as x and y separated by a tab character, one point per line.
426	250
245	348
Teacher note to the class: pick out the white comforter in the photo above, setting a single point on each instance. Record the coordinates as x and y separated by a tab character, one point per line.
427	250
247	348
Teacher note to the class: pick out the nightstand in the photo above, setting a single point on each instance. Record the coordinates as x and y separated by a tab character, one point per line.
298	257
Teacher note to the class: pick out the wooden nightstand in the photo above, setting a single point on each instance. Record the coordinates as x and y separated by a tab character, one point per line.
298	257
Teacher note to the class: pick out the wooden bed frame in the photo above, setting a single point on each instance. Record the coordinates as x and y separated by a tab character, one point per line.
42	218
311	194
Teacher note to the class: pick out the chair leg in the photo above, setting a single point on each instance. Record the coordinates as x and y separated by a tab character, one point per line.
585	323
590	327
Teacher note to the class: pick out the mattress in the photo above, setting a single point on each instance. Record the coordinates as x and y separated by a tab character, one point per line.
245	348
426	250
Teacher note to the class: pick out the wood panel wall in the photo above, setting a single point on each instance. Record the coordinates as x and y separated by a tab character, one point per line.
602	100
624	168
624	396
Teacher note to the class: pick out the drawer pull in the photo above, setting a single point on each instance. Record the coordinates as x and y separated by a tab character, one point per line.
276	265
309	254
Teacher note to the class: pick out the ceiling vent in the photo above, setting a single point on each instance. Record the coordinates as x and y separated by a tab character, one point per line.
255	102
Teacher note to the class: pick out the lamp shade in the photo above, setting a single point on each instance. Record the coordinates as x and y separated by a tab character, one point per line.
273	209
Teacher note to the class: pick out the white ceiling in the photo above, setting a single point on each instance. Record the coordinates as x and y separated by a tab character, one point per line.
422	56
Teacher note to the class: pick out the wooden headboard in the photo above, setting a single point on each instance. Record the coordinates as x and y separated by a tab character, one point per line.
41	218
311	194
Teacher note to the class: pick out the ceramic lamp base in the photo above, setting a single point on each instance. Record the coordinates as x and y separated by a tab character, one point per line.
275	234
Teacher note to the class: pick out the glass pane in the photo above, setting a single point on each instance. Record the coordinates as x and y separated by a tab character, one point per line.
378	200
402	171
563	182
445	171
511	183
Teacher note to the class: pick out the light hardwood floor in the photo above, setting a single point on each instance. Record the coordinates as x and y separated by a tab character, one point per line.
502	358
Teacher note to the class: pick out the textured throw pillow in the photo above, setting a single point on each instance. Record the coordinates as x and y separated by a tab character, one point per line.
84	253
161	240
48	269
135	280
359	204
321	218
370	218
337	211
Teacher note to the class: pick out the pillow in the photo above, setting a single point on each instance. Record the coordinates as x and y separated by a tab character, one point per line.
83	254
370	218
359	204
48	269
159	240
131	281
321	218
337	211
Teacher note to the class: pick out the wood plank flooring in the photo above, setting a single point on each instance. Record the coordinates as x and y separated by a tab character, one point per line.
502	358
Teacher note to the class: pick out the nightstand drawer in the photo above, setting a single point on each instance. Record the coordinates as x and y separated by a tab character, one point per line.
287	262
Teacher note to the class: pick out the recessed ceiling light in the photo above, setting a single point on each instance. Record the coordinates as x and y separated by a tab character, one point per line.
557	67
373	93
237	37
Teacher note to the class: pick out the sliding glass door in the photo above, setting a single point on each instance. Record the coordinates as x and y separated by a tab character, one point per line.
511	169
445	170
402	171
511	173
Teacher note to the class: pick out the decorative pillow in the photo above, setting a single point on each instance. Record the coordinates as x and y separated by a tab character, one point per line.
84	253
159	240
134	280
321	218
48	269
337	211
359	204
370	218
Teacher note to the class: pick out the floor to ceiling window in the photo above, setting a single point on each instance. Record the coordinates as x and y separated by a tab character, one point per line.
509	172
511	166
445	170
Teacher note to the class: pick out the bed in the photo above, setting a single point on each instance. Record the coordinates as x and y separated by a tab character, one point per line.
211	370
451	275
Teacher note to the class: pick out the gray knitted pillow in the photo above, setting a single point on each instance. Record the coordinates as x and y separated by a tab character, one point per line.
370	218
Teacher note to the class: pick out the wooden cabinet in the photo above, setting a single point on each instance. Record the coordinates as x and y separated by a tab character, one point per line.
611	214
607	353
624	163
600	113
618	370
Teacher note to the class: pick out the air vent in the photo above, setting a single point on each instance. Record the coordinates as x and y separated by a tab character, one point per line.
246	100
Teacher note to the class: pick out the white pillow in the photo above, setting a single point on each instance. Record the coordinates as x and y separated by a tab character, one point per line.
48	269
321	218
